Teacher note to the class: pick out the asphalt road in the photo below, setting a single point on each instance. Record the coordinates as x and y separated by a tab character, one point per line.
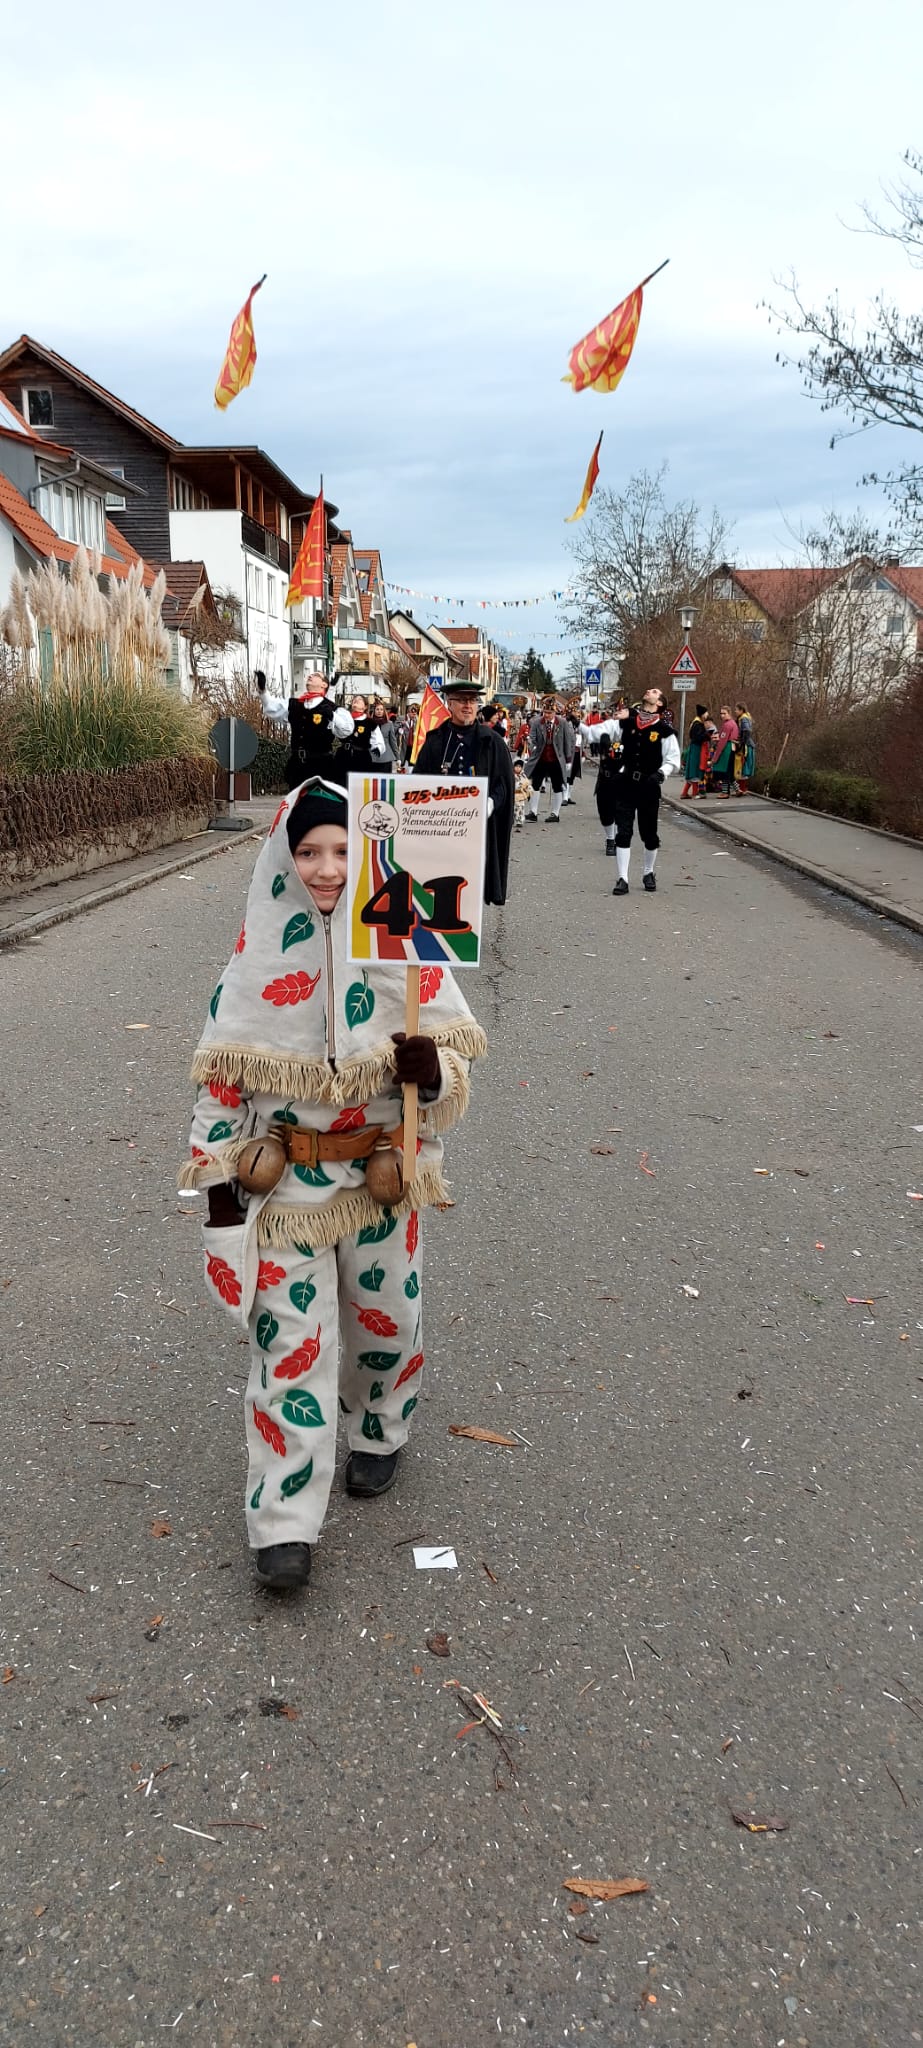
695	1586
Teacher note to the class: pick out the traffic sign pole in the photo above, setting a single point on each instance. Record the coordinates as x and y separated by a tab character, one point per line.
683	673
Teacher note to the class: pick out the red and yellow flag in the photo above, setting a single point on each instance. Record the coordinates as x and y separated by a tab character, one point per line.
239	363
308	572
589	486
599	361
432	712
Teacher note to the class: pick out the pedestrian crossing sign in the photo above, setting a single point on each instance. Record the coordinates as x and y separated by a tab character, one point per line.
685	663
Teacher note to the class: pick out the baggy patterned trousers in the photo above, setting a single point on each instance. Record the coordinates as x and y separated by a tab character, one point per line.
339	1328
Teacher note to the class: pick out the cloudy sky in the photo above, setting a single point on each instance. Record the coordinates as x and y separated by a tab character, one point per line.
444	201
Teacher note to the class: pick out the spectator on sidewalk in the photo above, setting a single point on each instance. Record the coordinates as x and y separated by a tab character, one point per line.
721	755
746	748
696	756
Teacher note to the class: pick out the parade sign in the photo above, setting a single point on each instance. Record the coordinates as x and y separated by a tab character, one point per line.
415	876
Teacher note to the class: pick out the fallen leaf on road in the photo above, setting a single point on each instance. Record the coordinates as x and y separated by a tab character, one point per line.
603	1151
642	1162
592	1940
725	1746
279	1710
482	1436
803	1172
578	1906
757	1825
438	1645
9	1673
161	1529
858	1301
605	1887
155	1621
820	1247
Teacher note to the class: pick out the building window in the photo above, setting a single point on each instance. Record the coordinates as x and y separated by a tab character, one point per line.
254	586
71	529
272	596
895	624
92	522
115	503
38	406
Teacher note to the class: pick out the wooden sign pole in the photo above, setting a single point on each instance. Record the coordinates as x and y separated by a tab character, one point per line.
411	1026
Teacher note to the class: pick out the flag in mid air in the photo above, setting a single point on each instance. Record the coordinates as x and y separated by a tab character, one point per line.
239	363
589	486
599	361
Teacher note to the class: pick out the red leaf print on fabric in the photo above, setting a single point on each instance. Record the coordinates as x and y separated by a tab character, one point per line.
290	988
224	1279
374	1319
279	814
269	1275
270	1430
430	983
242	939
414	1364
351	1119
413	1233
300	1361
226	1093
197	1152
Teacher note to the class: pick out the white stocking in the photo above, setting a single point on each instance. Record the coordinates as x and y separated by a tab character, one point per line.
650	859
623	856
556	802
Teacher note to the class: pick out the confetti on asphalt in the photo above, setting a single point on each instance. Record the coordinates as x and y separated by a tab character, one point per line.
434	1559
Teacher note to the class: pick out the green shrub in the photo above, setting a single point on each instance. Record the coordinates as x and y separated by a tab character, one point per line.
98	723
268	774
822	789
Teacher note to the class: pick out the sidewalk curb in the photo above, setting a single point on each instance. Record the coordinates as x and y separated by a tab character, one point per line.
880	904
44	920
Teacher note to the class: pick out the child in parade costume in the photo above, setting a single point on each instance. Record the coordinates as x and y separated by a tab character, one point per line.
313	1236
695	759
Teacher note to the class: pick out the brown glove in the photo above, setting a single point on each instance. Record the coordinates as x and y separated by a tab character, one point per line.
416	1059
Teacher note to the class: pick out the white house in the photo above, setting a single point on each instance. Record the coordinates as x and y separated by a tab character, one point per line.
427	644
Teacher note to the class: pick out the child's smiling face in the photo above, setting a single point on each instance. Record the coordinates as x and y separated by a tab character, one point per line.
320	858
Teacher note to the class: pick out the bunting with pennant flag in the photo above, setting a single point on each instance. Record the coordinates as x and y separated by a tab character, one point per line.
236	371
308	573
432	712
599	361
589	486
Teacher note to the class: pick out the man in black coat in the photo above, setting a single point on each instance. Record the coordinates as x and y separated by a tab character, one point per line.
463	745
316	724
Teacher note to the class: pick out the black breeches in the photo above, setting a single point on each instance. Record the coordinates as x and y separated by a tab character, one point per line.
643	799
548	771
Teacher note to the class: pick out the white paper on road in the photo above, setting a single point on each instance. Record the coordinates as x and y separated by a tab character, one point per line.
428	1558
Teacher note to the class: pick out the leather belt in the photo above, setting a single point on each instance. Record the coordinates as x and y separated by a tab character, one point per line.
306	1147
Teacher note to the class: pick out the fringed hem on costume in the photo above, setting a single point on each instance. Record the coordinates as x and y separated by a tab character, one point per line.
219	1166
279	1226
262	1072
440	1116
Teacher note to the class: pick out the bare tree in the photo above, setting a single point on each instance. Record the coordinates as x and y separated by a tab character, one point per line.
843	650
638	559
873	370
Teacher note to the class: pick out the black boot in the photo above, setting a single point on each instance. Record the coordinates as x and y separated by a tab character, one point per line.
649	882
284	1564
621	888
367	1475
610	846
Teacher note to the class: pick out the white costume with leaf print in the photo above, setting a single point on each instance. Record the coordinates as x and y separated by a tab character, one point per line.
295	1035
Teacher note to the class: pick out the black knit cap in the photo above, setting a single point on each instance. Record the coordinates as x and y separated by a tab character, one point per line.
317	805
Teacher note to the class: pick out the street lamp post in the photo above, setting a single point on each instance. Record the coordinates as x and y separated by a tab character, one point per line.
686	616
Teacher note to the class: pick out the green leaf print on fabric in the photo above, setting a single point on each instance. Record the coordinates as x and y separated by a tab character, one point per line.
285	1116
372	1429
299	928
217	1132
375	1233
379	1361
313	1176
412	1287
299	1406
267	1330
294	1481
278	884
408	1407
372	1278
263	1380
377	1390
306	1250
360	1002
216	998
257	1495
301	1294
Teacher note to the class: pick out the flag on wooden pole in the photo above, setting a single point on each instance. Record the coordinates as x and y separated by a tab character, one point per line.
599	361
236	371
589	486
432	712
308	572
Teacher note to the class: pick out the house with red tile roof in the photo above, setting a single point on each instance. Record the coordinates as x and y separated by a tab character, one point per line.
53	501
479	654
426	646
851	629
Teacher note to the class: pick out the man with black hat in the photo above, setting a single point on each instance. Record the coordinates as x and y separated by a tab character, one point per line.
549	758
464	745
